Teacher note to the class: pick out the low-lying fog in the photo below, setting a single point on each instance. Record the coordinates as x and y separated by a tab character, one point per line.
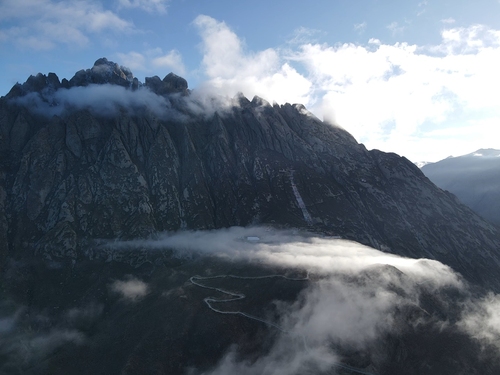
334	308
356	295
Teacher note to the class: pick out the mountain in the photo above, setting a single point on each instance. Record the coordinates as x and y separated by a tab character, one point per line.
474	178
103	180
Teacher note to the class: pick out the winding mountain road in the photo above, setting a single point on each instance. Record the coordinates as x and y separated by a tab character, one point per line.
233	296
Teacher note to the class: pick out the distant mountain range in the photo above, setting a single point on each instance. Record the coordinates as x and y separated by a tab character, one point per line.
474	178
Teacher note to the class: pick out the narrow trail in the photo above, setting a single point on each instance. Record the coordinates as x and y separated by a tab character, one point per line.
233	296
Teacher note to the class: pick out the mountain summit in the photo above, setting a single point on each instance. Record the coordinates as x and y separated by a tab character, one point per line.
103	72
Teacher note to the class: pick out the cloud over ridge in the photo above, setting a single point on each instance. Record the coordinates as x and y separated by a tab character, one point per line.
405	89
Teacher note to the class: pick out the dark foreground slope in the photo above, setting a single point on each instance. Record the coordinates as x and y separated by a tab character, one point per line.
474	178
73	170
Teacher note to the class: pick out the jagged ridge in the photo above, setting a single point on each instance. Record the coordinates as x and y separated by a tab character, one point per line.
103	72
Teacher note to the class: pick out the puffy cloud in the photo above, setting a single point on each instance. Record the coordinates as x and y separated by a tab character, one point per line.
131	289
44	24
389	96
172	60
151	6
482	320
231	69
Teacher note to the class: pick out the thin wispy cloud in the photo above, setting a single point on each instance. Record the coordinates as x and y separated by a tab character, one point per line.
360	27
150	6
45	24
154	61
448	20
395	28
422	8
303	35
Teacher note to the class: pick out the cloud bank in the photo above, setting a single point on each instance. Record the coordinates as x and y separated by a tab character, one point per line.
356	297
407	93
104	100
107	100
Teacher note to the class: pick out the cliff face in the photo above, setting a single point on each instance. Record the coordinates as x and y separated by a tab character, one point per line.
82	174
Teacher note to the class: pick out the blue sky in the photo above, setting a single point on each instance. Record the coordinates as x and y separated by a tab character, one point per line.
418	78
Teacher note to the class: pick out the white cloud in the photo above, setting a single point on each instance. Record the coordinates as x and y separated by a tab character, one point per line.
352	299
152	60
395	28
422	8
133	60
132	289
96	98
360	27
284	248
469	40
448	20
150	6
231	69
44	24
482	320
172	60
303	35
389	96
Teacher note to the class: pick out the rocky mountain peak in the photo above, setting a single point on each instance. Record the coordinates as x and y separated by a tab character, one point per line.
104	71
39	83
172	83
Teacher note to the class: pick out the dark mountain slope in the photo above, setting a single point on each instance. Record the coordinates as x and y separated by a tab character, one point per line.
129	172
